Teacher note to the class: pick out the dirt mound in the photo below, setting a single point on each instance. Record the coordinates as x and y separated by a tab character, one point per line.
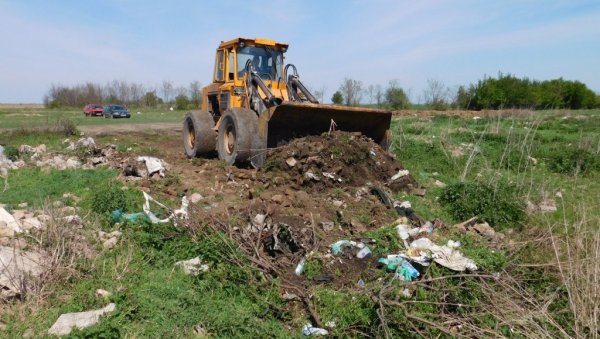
338	159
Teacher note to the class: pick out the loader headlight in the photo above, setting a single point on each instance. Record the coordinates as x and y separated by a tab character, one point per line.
238	90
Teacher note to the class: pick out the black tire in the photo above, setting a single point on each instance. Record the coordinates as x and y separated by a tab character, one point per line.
238	135
199	136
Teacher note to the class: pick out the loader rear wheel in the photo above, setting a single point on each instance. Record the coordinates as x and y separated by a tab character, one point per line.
199	137
237	132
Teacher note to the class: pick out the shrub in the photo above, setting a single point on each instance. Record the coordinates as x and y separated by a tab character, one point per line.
113	197
573	161
66	127
500	206
11	152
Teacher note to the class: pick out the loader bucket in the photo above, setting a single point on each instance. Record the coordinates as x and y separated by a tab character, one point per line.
293	120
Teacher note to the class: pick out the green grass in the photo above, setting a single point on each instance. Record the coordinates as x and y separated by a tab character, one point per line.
155	300
35	186
40	118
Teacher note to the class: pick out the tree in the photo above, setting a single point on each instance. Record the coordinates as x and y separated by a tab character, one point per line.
351	91
436	95
150	99
371	93
378	95
167	90
395	97
319	93
195	94
182	102
337	98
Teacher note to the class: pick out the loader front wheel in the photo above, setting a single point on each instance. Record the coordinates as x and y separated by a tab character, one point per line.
237	130
199	136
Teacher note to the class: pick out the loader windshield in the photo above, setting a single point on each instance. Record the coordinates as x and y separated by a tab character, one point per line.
267	61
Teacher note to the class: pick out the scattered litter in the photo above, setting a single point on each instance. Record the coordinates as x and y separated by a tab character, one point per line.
80	320
400	174
330	324
300	267
336	247
103	293
291	161
290	296
308	330
446	256
363	253
195	198
372	152
311	176
361	283
153	165
404	208
532	160
404	270
192	266
440	184
199	330
181	213
327	225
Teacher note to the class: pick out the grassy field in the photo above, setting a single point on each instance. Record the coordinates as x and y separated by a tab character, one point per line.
542	282
14	117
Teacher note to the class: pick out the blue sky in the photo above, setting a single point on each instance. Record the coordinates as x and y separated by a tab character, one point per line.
143	41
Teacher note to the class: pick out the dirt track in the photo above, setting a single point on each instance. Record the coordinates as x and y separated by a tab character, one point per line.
139	127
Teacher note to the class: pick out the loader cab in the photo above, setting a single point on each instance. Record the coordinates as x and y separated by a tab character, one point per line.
232	56
267	61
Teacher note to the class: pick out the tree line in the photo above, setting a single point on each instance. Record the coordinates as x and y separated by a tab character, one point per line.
505	91
508	91
127	93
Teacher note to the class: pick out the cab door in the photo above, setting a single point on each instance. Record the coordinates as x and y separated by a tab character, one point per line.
219	75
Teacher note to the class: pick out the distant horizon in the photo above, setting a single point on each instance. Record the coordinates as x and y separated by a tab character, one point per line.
146	42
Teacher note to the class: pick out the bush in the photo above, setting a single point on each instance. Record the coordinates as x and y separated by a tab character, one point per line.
500	206
573	161
396	98
11	152
113	197
182	102
66	127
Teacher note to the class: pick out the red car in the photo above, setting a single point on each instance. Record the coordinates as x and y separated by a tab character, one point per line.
92	109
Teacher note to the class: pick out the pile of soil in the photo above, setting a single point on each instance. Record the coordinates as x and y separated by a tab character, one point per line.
337	159
311	193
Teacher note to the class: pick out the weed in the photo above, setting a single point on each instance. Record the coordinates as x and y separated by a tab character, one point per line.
113	197
500	206
573	161
312	268
66	127
11	152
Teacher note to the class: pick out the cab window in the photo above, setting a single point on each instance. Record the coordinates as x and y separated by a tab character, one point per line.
231	68
219	66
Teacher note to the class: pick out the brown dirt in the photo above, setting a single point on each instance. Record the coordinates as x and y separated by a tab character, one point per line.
467	114
132	127
303	215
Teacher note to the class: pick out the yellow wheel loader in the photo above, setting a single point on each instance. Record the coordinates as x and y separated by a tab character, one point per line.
256	102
